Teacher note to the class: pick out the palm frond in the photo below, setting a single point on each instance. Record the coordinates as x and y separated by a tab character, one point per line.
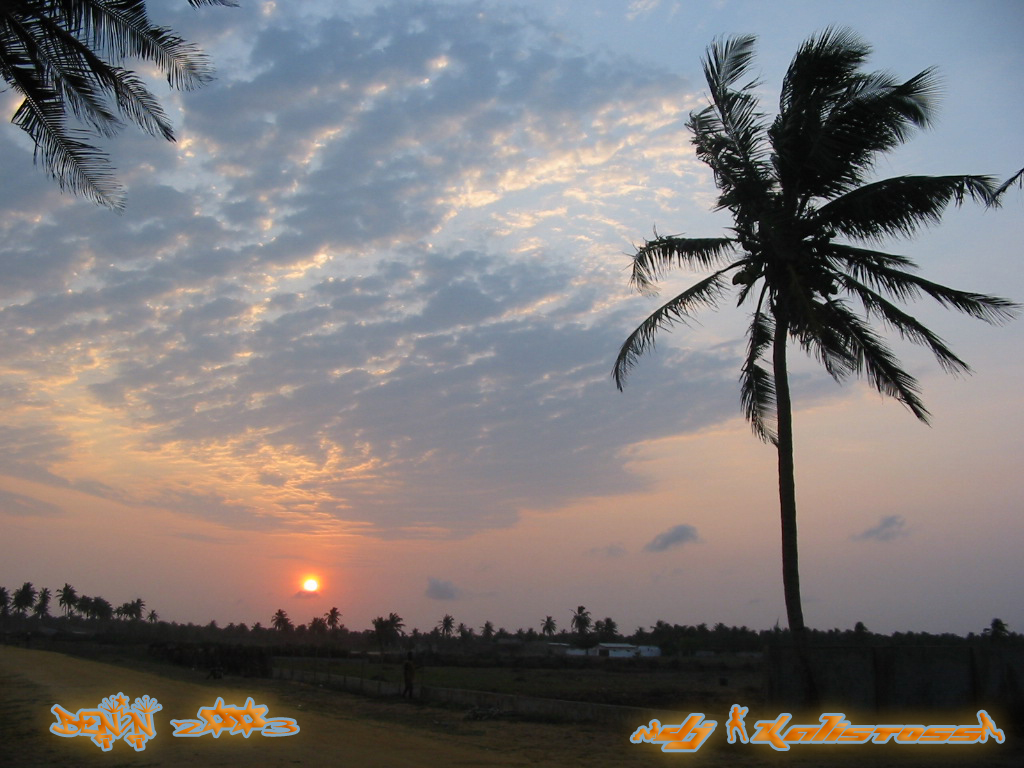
654	257
729	133
870	355
757	386
906	325
900	206
705	293
1017	178
904	286
833	120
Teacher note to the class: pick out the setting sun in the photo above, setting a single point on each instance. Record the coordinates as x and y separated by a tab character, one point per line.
310	585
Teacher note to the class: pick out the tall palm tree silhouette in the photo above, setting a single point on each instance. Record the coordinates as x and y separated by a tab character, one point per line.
797	188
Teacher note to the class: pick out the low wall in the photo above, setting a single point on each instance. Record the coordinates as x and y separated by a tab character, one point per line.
902	677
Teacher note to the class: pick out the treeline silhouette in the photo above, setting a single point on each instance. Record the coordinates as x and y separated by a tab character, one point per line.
240	649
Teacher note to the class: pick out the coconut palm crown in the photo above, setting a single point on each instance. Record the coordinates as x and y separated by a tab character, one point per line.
63	57
802	252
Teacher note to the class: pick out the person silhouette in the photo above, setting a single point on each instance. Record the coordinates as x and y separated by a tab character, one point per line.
409	674
736	715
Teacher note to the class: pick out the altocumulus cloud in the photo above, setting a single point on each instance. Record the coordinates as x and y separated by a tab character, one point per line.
288	326
675	536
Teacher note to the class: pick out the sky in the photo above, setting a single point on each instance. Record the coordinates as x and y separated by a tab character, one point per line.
358	323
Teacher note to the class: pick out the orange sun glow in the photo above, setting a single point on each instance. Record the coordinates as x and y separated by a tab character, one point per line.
310	585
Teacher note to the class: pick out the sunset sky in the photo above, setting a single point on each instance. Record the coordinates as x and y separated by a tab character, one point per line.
358	324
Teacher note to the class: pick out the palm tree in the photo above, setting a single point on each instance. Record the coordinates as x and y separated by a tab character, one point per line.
153	617
64	57
548	626
487	630
42	606
102	609
333	617
446	625
5	602
792	188
396	624
68	599
24	598
281	621
581	620
86	606
136	609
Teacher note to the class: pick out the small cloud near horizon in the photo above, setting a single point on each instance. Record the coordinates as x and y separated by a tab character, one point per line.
437	589
675	536
307	593
889	527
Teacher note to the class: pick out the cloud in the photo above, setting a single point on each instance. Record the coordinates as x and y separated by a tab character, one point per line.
611	551
888	528
675	536
438	589
26	506
305	593
363	302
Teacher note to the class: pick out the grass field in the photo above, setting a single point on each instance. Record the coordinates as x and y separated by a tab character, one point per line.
687	686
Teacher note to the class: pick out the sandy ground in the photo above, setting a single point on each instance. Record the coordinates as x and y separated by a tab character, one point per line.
345	730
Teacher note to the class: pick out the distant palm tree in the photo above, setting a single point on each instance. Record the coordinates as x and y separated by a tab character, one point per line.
42	606
446	625
85	606
792	189
153	618
64	58
333	617
136	609
487	630
102	609
68	599
608	630
581	620
548	626
318	625
5	602
997	630
24	598
396	623
281	621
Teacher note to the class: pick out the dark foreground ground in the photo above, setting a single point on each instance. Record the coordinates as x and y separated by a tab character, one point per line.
340	729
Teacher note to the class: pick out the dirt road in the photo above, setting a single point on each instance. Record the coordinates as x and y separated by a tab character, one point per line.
344	730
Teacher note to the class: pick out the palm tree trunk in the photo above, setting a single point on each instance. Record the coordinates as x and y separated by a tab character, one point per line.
787	507
787	481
